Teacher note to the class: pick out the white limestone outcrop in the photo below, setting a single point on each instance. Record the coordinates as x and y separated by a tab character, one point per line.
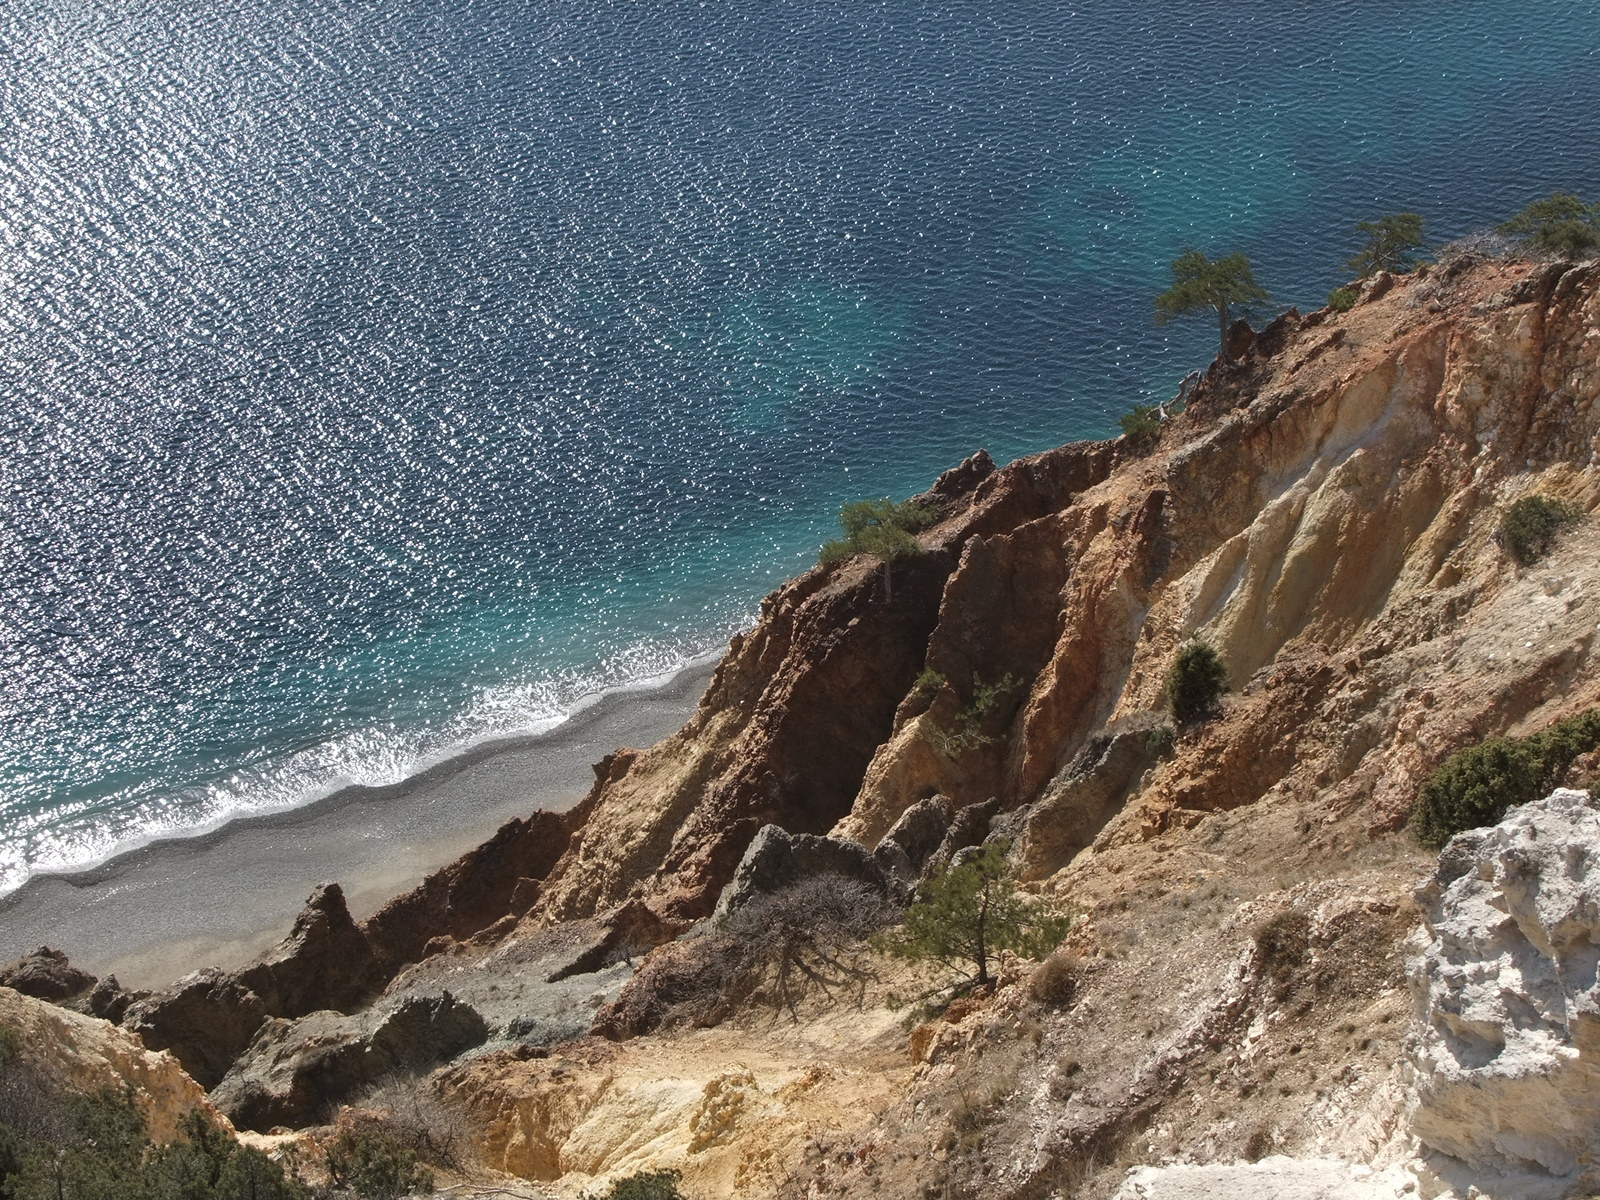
1506	1034
1275	1178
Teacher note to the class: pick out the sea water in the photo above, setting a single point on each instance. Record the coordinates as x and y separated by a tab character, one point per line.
378	379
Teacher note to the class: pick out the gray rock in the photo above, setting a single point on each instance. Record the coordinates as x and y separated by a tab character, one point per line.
1080	800
296	1071
969	827
776	858
913	839
206	1019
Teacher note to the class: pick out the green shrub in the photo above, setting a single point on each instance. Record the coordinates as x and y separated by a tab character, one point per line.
1390	244
970	912
1479	785
927	685
1560	225
880	528
1343	299
102	1151
373	1164
1196	679
970	729
1529	527
644	1185
1141	424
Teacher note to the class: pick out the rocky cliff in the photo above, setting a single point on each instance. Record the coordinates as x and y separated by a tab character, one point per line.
1324	512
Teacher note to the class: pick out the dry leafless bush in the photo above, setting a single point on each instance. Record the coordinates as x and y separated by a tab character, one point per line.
1054	982
779	949
410	1111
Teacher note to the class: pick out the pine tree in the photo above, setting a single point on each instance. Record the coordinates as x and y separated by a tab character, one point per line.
971	912
1200	284
1390	243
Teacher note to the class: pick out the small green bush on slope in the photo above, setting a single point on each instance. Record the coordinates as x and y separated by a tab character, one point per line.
1529	527
1195	681
971	912
1479	785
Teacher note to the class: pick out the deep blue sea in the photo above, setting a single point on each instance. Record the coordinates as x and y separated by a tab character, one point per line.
382	378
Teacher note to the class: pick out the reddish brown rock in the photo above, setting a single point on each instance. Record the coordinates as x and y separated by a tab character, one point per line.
498	879
46	975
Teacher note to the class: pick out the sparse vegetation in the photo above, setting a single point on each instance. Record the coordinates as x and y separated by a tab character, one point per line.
926	686
1390	243
1201	284
1343	299
1560	225
971	726
882	530
643	1185
1282	942
1141	424
1529	527
411	1112
973	911
100	1149
1054	982
1160	740
1195	681
1479	785
367	1160
806	939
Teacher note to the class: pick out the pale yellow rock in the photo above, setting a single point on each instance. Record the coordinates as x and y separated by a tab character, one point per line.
86	1054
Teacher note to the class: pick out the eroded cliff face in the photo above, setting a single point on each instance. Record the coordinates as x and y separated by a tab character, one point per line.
795	712
85	1054
1323	513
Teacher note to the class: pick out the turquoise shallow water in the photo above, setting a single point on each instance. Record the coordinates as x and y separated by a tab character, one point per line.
382	379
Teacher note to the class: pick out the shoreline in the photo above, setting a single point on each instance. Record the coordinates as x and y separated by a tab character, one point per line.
155	912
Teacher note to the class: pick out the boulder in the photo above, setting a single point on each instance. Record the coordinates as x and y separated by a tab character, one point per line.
911	841
295	1071
1505	1044
776	858
110	1001
206	1020
46	975
969	827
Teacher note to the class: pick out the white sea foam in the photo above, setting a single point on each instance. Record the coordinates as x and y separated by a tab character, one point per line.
503	715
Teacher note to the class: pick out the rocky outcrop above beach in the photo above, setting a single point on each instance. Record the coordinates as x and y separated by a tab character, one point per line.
329	961
46	975
1325	513
77	1054
295	1072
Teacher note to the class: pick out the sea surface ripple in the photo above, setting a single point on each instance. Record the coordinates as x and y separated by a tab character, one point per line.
383	378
